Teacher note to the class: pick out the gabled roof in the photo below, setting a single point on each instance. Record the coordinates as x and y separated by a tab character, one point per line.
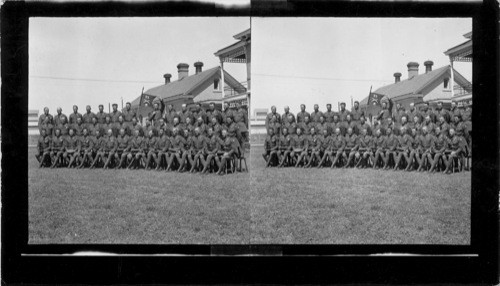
186	85
244	34
415	85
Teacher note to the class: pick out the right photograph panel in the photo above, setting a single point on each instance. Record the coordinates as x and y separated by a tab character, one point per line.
361	130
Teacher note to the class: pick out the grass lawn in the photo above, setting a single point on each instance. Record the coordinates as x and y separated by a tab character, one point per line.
351	206
122	206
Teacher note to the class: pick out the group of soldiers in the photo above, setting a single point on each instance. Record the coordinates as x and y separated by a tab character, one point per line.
425	139
193	140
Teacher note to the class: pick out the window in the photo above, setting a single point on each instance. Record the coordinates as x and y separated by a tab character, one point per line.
445	82
216	84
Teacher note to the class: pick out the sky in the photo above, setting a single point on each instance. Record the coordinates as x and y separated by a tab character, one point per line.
92	61
330	60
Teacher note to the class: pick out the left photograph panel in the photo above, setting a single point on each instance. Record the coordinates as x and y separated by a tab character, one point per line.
138	130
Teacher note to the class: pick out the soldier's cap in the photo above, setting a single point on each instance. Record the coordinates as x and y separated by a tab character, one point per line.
128	103
114	104
356	102
342	103
101	105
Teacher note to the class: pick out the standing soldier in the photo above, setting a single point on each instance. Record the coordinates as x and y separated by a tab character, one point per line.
123	148
115	113
287	117
71	149
128	114
342	112
210	150
43	147
302	114
230	147
56	148
45	115
73	116
316	114
58	117
271	147
270	115
351	146
101	115
329	113
87	148
356	112
87	117
390	148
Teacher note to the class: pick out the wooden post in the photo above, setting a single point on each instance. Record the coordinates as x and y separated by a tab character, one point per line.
452	79
222	79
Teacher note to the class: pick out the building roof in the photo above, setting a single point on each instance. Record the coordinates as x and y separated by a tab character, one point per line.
415	85
186	85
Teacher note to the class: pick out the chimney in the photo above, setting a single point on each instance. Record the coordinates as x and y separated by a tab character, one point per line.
397	77
428	66
183	70
167	77
412	69
198	66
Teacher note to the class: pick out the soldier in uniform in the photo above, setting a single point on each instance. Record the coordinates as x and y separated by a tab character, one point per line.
398	115
424	152
178	150
287	117
299	145
120	124
200	123
454	111
87	117
71	148
56	147
314	148
348	123
109	149
390	148
351	146
284	147
136	126
213	113
454	150
73	116
412	112
270	115
337	148
210	150
184	113
216	127
138	150
302	114
424	111
43	147
128	114
230	147
356	113
94	127
322	125
362	124
78	127
101	115
439	147
291	125
379	144
329	113
271	146
440	111
158	149
226	112
188	126
123	148
316	114
386	111
404	147
342	112
363	150
47	126
198	112
240	118
275	125
45	115
325	146
197	145
98	143
429	124
58	117
115	113
86	148
306	126
336	124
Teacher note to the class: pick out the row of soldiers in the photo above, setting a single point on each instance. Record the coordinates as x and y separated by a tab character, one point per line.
234	120
423	144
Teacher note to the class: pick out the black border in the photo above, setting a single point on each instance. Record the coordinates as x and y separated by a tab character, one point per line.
273	263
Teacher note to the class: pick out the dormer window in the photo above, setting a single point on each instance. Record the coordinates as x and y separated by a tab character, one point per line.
445	82
216	84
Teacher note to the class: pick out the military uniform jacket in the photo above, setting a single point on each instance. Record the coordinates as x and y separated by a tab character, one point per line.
227	113
57	119
240	118
73	116
64	129
197	143
320	127
379	142
343	114
87	118
211	114
456	143
459	128
364	142
292	128
391	142
329	116
43	144
217	128
185	114
412	113
162	143
285	142
269	117
93	129
57	143
440	143
334	125
42	117
300	141
128	114
86	143
71	143
301	115
316	115
442	112
137	144
211	144
338	142
118	126
98	142
399	114
426	141
110	143
284	118
326	142
230	144
78	129
49	129
351	141
306	127
362	126
271	143
314	142
356	114
405	142
106	126
122	142
101	117
114	116
179	143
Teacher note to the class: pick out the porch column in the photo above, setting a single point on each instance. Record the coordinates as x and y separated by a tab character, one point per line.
222	79
452	79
